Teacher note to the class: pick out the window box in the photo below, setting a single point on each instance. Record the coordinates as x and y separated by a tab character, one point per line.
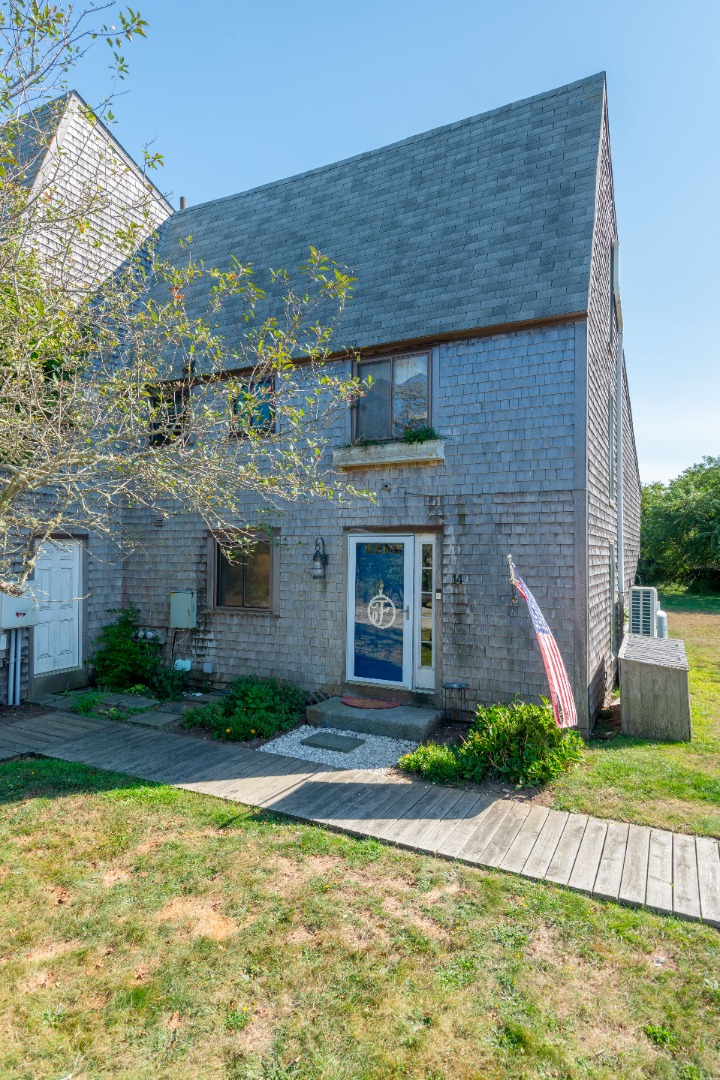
431	452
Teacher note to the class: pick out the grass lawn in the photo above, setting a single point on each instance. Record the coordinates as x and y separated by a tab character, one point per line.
147	932
671	785
677	598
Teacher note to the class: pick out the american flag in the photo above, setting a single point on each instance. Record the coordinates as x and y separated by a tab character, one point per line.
560	690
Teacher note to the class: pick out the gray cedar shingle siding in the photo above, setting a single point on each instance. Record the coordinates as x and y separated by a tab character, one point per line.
506	485
505	217
521	227
601	507
478	223
632	489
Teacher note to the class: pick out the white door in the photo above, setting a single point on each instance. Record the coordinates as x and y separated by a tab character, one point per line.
391	610
56	588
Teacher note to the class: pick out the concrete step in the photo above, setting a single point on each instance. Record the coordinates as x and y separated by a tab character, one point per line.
402	722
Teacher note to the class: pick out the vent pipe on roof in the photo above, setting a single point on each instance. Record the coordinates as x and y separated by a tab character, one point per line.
183	202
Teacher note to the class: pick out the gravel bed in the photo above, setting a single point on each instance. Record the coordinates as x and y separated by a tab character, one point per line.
376	752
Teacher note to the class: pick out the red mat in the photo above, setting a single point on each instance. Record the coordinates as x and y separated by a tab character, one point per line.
369	703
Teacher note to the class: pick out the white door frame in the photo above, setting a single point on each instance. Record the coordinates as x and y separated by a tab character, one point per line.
424	677
414	677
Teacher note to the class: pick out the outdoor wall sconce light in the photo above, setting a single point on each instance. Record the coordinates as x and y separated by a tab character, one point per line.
319	559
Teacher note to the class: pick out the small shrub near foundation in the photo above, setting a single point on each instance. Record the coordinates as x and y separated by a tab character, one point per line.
434	761
87	704
254	709
519	744
123	662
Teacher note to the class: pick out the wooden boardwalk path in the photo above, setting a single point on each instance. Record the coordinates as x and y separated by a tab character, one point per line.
669	872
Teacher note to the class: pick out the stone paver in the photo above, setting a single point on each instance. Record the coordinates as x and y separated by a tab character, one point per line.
328	741
156	718
670	872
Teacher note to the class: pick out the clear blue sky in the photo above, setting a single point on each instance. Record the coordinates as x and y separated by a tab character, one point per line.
237	94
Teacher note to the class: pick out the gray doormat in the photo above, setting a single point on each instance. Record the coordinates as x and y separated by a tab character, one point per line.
324	740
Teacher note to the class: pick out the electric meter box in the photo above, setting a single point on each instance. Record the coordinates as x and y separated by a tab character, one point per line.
183	610
17	611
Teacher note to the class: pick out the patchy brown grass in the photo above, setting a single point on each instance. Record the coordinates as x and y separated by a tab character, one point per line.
199	938
201	917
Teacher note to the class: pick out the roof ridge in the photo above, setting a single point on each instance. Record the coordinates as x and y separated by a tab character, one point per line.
429	133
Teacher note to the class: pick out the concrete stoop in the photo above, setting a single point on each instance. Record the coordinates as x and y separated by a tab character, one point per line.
403	722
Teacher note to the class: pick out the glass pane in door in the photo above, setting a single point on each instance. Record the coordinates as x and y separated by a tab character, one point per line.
426	606
379	611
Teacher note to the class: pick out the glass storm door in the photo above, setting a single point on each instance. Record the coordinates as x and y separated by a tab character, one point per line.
390	610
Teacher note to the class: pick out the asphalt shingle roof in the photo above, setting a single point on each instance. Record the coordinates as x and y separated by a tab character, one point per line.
478	223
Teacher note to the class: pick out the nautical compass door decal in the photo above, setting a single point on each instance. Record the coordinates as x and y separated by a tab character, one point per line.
380	615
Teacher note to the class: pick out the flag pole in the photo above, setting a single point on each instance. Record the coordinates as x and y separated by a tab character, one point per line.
511	568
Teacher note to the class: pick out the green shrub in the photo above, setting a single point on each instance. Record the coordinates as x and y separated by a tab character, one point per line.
254	708
114	713
165	682
140	690
122	661
519	744
87	704
434	761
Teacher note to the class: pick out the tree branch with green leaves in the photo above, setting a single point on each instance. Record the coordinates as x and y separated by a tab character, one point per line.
118	389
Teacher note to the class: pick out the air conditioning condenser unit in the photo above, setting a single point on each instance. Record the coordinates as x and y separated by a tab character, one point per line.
643	610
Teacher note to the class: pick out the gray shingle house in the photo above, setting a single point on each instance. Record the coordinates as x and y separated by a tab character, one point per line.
484	309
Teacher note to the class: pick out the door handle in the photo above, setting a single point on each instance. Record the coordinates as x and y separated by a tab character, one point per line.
407	611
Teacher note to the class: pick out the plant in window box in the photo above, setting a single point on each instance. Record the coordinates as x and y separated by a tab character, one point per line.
419	434
363	442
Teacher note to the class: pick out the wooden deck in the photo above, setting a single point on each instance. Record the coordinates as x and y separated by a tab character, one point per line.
669	872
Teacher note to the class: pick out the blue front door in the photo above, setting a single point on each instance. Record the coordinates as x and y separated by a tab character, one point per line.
379	611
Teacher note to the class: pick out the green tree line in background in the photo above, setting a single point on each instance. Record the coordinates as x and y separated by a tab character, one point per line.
680	531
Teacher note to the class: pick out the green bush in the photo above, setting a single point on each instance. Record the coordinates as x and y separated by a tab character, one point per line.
165	682
123	662
254	708
87	704
419	434
434	761
519	744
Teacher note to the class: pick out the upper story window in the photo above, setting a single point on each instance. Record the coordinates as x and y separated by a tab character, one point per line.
253	409
170	414
398	398
243	578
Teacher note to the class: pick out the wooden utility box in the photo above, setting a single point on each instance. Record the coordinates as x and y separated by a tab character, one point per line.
654	690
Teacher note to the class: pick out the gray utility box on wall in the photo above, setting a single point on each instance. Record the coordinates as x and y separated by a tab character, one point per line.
654	689
183	610
17	611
